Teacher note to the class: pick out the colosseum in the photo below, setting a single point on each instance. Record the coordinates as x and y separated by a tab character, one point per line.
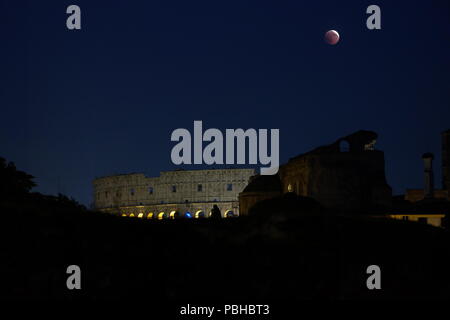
174	194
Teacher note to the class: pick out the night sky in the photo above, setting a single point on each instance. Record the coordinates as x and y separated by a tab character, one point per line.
76	105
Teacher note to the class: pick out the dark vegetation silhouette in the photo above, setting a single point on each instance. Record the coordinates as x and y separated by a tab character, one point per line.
13	183
288	248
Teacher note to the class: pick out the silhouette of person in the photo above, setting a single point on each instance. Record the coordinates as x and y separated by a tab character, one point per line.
215	212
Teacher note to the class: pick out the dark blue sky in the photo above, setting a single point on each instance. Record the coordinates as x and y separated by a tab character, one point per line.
104	100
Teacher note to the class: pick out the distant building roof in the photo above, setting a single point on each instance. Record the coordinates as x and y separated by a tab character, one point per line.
264	183
358	141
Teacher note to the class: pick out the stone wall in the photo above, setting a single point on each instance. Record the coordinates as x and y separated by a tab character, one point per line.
182	191
343	179
348	174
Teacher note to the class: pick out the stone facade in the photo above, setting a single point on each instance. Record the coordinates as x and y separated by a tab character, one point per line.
172	194
347	174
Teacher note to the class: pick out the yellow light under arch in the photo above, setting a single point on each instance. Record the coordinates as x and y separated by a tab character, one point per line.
197	214
131	215
172	214
140	215
150	215
226	213
290	188
161	215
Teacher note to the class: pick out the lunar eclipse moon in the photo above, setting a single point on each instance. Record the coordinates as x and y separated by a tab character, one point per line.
332	37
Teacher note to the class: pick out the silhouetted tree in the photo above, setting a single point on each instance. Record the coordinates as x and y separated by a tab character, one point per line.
14	182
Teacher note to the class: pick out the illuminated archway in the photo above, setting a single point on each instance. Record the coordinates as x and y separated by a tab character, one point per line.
200	214
230	214
124	215
150	215
162	215
140	215
174	214
290	188
131	215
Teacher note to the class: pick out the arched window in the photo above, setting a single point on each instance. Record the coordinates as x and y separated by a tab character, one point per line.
370	146
229	214
162	215
174	214
199	214
344	146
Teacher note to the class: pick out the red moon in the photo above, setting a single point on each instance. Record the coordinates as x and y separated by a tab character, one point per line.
332	37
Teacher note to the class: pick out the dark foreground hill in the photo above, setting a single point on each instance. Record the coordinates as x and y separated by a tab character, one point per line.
279	256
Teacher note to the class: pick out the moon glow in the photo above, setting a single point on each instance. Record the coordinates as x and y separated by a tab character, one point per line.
332	37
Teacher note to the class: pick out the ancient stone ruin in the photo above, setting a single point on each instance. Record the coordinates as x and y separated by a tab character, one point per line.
348	174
